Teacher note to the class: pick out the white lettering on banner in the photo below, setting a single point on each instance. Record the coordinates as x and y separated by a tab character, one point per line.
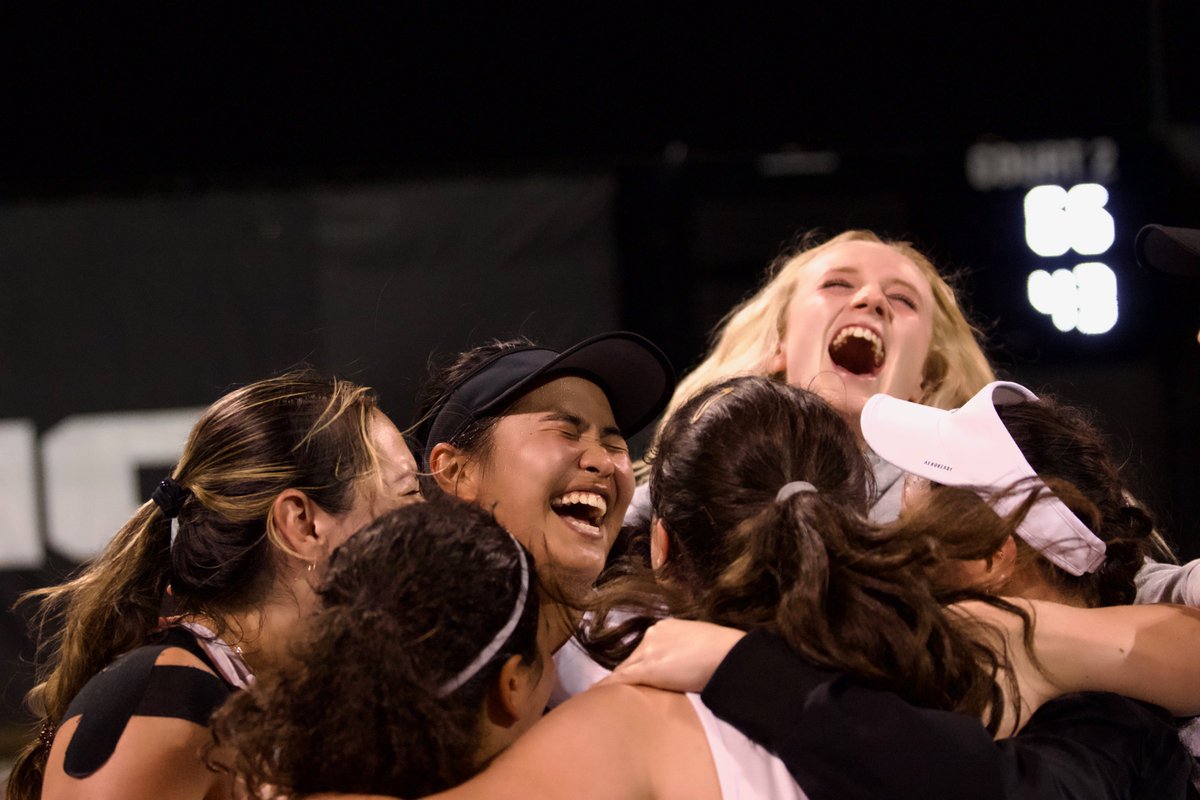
90	466
20	542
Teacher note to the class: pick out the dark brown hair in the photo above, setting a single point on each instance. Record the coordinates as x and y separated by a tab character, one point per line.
475	439
1070	454
298	430
842	592
405	605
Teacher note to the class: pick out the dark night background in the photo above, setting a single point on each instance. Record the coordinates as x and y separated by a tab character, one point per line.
192	197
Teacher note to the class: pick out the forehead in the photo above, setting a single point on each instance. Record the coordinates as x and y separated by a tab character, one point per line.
388	441
869	259
568	393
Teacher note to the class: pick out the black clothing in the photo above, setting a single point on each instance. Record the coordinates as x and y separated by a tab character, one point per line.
841	739
134	685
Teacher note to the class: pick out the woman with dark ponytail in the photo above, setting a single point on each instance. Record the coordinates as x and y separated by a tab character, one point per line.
273	477
1020	497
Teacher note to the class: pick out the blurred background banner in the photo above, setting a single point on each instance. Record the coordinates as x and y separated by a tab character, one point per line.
194	200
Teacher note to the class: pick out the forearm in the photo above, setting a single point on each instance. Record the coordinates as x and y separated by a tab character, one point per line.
1148	652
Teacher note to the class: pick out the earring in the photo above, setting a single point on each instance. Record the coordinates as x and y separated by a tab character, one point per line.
312	565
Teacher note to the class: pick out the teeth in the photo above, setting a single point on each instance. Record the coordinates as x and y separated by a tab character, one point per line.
861	333
582	498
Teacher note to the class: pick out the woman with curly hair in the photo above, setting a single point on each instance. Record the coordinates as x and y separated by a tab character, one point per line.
424	658
273	477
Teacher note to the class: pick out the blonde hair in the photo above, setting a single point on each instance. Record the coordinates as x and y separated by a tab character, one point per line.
749	336
298	430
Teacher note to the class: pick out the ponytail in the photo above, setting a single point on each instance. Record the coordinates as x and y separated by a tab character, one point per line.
853	597
108	608
763	493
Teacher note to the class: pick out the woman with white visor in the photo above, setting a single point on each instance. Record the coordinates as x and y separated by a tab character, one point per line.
1000	446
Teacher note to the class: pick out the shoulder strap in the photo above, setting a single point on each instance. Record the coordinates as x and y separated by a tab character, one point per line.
186	640
134	685
182	693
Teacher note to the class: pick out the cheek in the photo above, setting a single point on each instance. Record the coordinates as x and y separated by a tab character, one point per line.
910	364
624	475
803	344
519	485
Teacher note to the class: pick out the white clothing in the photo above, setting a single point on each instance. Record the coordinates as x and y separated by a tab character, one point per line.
1168	583
745	769
889	489
575	672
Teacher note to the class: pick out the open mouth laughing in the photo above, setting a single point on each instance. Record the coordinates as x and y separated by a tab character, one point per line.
583	511
858	350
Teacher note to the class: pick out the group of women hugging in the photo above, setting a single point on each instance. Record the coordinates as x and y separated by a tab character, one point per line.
857	566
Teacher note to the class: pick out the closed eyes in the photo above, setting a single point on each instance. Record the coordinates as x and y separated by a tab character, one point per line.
897	297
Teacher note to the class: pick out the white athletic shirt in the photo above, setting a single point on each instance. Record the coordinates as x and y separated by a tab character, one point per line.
746	770
574	672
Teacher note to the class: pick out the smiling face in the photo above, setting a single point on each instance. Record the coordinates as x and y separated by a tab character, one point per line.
859	322
557	475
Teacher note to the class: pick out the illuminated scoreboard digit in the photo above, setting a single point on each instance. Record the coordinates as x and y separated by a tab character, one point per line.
1057	220
1063	220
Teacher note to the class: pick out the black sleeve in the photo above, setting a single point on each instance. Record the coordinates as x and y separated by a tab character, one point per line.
841	739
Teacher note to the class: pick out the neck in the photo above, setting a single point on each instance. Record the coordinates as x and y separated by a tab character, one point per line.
262	634
1029	585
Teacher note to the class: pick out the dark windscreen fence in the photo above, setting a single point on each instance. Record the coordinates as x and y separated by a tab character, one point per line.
122	317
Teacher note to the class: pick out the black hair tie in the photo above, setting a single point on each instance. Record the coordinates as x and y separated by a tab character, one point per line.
169	496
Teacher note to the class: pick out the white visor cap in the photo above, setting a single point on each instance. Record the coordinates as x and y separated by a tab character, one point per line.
969	447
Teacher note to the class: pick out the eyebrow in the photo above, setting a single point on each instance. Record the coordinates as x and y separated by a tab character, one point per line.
562	415
907	284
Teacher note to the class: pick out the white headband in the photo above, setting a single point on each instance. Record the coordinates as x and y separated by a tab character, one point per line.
791	488
489	652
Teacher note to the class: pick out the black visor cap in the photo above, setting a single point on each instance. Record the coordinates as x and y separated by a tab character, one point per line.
633	373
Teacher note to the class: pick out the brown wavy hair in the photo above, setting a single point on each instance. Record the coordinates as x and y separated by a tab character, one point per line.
842	592
1069	453
405	604
297	430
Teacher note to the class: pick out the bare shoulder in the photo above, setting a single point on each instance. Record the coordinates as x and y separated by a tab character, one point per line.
145	737
610	741
178	657
156	757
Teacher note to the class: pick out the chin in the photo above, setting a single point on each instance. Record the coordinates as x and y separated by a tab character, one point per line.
849	405
572	577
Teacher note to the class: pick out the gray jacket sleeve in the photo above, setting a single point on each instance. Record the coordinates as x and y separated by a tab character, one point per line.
1169	583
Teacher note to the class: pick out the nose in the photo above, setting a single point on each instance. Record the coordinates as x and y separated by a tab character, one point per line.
871	297
595	457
